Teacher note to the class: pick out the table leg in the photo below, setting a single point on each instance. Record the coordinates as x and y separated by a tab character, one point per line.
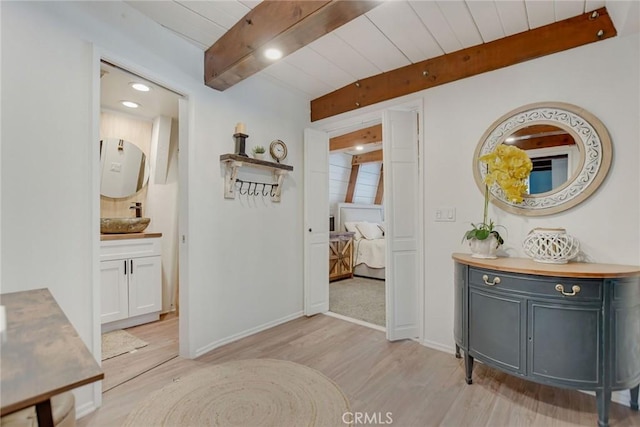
458	352
45	416
634	397
468	367
603	401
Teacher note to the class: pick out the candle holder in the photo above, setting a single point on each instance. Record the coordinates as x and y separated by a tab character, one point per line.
240	143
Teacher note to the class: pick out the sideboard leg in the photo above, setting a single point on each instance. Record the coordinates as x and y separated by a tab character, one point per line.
468	367
603	401
458	352
634	397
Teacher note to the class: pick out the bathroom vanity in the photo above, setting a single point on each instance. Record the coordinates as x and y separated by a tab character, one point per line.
573	325
130	279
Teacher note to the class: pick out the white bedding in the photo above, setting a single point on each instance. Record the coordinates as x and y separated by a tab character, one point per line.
369	252
368	255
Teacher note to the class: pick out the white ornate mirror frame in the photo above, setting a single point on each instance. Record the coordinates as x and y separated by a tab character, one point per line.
588	132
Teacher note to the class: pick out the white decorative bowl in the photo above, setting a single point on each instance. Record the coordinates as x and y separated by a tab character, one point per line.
551	245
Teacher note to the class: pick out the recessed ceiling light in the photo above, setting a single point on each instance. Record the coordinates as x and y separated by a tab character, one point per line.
140	87
359	147
273	54
130	104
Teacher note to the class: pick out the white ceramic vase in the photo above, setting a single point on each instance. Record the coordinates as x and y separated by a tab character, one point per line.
258	156
484	248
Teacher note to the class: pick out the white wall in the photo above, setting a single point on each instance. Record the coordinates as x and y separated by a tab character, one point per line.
162	207
245	255
339	173
604	79
367	183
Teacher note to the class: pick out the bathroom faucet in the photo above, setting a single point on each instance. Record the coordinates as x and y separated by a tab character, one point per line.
138	207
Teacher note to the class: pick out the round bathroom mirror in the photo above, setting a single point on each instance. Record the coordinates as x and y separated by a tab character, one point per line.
570	150
125	169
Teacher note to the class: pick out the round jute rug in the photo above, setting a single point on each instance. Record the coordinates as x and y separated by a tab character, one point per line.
247	393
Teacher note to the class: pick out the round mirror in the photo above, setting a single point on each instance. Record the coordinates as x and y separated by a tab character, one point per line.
125	169
570	150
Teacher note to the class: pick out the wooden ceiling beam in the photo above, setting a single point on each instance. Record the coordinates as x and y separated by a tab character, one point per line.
557	37
370	157
370	135
544	142
351	187
286	25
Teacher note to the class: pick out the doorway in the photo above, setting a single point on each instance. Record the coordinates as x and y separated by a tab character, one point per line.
356	236
403	216
139	294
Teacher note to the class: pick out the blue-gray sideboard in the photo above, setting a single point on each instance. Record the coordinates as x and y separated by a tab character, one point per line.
574	325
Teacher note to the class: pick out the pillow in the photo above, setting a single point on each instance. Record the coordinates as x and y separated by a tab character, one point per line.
381	227
369	230
351	227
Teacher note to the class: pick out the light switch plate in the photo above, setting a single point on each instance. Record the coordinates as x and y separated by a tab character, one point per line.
445	214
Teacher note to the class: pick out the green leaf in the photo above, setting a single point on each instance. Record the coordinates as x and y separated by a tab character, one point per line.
482	234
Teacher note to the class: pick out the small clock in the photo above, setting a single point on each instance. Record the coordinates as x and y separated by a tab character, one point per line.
278	150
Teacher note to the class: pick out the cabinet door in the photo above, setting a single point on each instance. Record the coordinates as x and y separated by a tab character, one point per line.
145	286
114	304
497	329
334	259
340	257
565	341
346	250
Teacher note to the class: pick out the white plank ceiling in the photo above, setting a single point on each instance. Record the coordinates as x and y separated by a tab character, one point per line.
392	35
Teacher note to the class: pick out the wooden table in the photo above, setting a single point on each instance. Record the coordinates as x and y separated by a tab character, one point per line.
41	355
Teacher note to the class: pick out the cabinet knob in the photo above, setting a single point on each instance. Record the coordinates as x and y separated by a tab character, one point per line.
496	280
310	230
575	289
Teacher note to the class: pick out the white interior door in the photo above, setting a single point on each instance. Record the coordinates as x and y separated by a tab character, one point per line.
316	222
401	192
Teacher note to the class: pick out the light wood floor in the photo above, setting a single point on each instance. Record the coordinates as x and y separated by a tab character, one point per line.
162	337
419	386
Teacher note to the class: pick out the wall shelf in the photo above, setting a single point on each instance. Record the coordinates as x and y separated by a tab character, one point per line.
233	162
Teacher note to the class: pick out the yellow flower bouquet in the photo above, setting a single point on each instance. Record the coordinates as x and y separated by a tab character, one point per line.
508	167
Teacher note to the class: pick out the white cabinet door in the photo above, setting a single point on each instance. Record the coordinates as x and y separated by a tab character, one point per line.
145	290
113	291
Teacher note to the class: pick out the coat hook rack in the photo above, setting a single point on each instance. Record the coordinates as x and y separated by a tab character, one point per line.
252	188
234	162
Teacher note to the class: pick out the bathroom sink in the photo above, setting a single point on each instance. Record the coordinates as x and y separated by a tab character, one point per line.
123	225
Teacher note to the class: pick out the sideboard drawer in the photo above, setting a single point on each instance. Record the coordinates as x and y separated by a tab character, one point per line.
540	286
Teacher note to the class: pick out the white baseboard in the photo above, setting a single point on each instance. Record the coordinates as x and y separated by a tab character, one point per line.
439	346
235	337
622	397
85	409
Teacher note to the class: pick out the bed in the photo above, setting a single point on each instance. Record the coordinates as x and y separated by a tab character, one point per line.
367	222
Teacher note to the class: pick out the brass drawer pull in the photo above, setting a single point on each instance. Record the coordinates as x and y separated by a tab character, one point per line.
574	288
496	280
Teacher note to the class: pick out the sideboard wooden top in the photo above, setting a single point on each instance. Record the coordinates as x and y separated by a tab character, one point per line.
125	236
571	269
